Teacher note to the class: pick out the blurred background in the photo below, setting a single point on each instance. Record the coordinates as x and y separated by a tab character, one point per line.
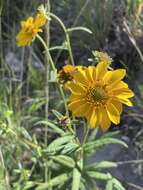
117	28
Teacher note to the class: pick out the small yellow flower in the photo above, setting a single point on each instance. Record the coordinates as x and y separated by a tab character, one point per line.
102	57
30	28
98	95
66	73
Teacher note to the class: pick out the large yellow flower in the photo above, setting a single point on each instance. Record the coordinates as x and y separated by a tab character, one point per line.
30	28
98	95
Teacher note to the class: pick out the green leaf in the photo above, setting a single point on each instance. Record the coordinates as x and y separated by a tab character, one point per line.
109	185
99	175
59	143
79	28
102	165
58	48
76	179
64	160
111	134
70	147
90	146
36	104
53	182
53	76
82	186
29	184
52	126
117	184
57	114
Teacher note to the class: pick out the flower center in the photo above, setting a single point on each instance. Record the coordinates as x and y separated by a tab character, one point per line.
96	95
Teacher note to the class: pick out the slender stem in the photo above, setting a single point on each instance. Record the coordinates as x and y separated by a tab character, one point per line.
130	162
21	76
47	53
67	36
47	60
1	41
54	69
6	175
85	135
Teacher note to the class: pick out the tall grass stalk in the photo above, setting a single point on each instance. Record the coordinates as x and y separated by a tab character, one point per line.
3	166
47	41
1	41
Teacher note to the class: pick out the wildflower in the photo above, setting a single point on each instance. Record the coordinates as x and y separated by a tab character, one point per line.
98	95
102	57
30	28
67	72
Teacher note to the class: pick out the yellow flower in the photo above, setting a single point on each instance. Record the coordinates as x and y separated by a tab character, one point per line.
67	72
98	95
102	57
30	28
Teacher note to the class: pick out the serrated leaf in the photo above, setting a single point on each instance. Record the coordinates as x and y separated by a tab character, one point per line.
79	28
53	182
76	179
64	160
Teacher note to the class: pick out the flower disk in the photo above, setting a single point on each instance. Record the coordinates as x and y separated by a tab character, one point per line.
98	95
30	28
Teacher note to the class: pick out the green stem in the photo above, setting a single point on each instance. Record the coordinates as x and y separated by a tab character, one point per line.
1	41
6	174
85	135
54	69
67	36
47	68
47	53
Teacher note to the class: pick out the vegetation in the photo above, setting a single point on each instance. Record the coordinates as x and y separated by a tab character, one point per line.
49	64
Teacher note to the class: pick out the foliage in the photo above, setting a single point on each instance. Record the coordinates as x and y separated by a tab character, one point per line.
44	151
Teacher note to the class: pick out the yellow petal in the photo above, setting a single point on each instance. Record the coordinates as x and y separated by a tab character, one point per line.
117	85
125	101
75	88
113	113
23	39
40	20
123	93
92	118
101	70
89	73
81	78
118	105
78	107
114	76
81	110
75	97
105	121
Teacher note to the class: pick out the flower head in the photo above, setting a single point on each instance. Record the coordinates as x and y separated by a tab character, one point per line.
67	72
30	28
98	95
102	57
